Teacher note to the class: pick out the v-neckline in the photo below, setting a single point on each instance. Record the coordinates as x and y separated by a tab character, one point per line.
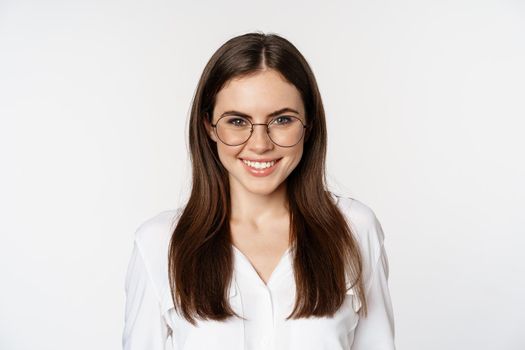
244	261
250	266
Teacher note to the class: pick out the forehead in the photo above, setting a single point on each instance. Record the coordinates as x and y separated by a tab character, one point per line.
258	94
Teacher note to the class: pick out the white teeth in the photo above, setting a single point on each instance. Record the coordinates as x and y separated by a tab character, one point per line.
259	165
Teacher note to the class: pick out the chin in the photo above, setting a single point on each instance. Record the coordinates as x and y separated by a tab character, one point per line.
260	186
261	190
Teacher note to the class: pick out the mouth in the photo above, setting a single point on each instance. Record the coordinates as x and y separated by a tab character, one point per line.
260	168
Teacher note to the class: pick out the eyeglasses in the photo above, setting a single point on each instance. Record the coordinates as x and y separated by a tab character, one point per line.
284	131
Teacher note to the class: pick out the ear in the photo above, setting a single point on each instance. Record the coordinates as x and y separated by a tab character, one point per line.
209	129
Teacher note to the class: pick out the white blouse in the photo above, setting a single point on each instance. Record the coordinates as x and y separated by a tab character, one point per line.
152	323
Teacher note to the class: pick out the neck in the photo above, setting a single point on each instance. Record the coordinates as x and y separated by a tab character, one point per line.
255	208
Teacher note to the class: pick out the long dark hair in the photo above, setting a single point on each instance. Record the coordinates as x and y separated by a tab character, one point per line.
200	254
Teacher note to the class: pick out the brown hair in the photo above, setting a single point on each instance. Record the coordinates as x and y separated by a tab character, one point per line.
200	253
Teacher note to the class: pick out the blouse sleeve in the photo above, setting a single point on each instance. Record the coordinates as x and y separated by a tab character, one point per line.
376	330
144	326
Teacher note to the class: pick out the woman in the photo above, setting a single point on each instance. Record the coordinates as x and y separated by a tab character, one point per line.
262	256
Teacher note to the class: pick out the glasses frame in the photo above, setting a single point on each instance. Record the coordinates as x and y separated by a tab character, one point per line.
267	129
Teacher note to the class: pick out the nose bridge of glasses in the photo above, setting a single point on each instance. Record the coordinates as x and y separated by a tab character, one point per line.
262	124
265	132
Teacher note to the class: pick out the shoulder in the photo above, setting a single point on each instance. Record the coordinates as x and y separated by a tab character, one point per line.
155	232
367	231
361	218
152	239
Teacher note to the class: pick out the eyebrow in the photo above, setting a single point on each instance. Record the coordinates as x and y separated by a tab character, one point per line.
273	114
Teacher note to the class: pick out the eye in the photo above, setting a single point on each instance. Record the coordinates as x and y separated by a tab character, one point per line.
282	120
237	121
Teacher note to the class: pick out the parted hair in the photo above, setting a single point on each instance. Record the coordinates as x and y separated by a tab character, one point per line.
324	249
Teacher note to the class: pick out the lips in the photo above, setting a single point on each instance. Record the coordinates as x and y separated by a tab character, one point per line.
260	172
264	160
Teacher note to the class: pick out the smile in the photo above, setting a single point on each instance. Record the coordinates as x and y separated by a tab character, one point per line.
260	168
259	165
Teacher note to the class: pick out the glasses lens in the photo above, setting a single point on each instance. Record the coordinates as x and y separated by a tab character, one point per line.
286	131
233	130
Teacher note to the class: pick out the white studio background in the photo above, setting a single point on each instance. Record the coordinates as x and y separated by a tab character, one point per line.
425	108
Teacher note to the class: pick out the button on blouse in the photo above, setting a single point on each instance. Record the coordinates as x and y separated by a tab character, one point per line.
152	323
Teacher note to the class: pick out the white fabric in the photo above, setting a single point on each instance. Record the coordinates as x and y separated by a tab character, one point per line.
152	323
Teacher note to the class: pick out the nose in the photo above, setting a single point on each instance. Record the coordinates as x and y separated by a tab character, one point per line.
260	140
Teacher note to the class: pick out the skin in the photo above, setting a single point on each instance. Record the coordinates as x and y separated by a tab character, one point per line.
259	218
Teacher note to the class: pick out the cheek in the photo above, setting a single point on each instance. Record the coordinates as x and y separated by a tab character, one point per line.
296	156
299	151
227	154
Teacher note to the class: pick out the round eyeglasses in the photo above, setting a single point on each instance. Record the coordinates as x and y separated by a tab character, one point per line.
284	131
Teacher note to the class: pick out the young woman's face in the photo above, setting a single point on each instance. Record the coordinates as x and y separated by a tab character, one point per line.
258	96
